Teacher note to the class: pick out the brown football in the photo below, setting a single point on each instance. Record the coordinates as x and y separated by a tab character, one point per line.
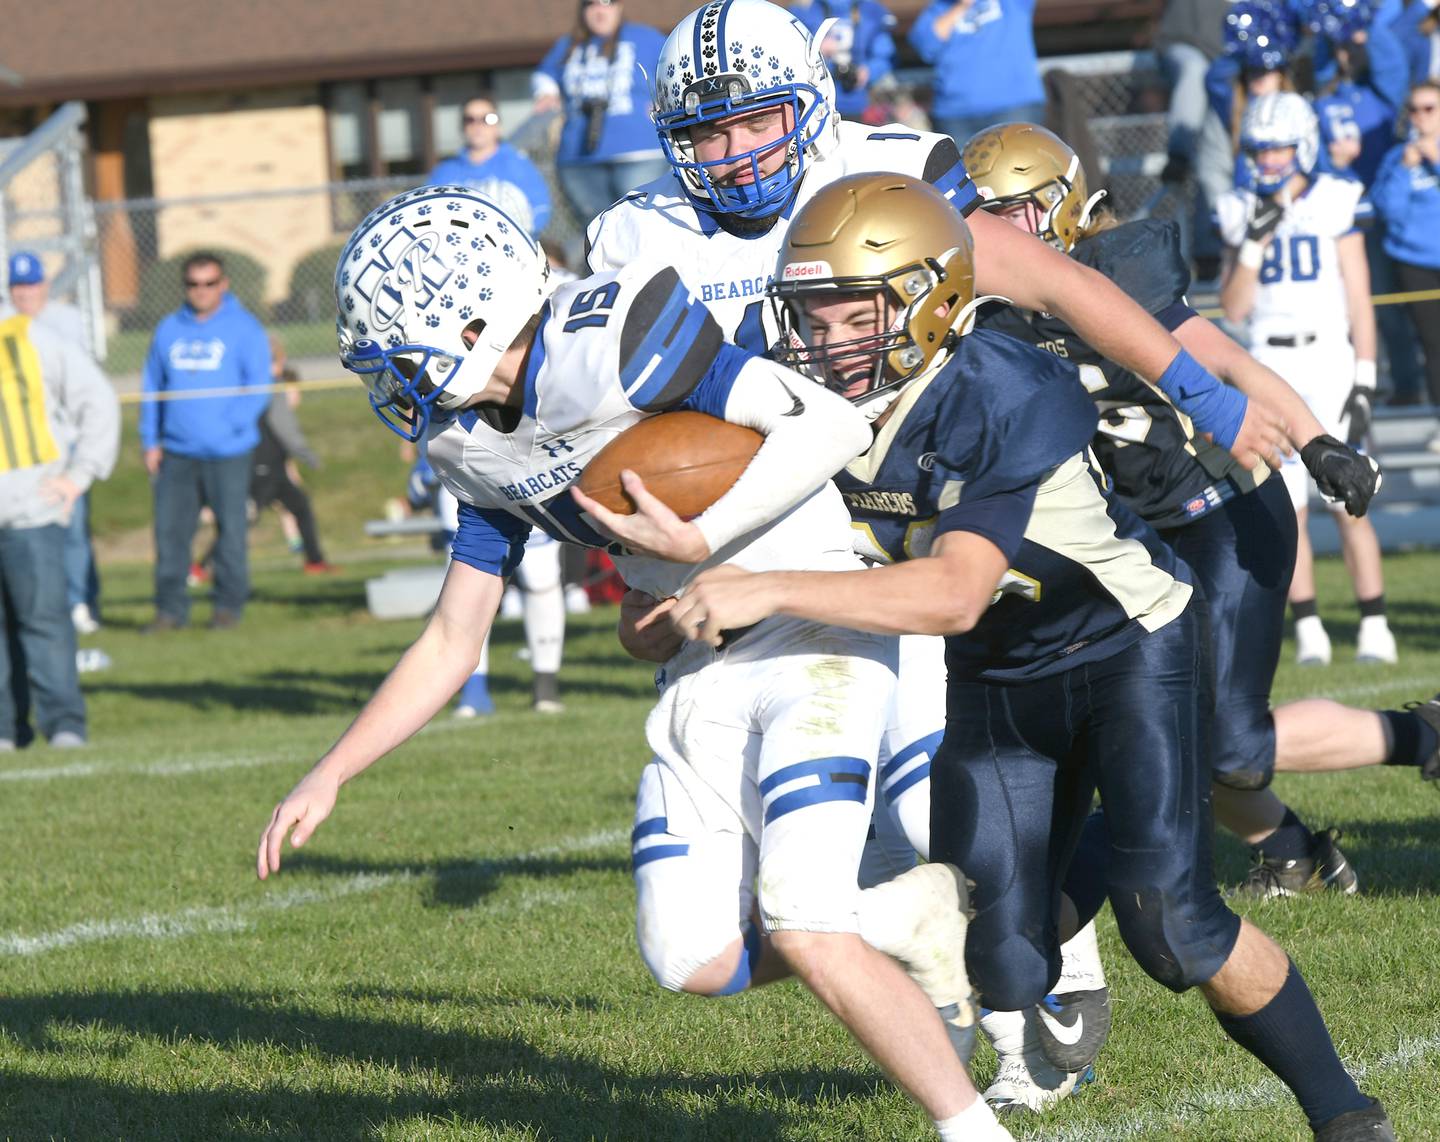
688	461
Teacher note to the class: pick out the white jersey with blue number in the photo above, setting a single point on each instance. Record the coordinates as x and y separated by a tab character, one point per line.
611	350
729	272
1300	290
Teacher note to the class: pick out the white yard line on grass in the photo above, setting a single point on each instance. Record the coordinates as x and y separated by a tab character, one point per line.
235	918
182	767
1194	1106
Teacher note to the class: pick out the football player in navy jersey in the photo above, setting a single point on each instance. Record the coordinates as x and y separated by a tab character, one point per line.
1072	631
752	814
1234	527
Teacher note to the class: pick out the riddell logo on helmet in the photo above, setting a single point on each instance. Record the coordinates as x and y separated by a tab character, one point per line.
797	270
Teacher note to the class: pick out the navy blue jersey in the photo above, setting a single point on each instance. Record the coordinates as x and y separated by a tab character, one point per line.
1156	461
994	443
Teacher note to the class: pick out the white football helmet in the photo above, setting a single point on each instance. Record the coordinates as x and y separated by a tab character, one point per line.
422	271
733	56
1280	119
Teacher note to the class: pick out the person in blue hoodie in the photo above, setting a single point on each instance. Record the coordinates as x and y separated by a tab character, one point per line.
858	48
492	166
197	448
986	72
1406	194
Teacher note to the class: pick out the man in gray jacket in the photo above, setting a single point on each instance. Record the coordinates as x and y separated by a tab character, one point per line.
59	432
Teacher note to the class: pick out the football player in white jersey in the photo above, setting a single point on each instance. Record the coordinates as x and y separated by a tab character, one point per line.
758	799
1297	272
744	106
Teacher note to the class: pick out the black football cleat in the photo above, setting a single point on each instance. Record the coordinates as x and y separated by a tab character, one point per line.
1429	713
1073	1026
1325	868
1369	1124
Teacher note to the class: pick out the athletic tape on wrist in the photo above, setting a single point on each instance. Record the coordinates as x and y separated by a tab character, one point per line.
1252	253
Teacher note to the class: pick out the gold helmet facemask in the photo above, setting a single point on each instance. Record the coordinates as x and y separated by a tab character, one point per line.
1023	164
890	239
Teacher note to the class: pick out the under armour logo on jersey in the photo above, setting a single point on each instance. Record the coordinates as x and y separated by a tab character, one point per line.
555	447
406	272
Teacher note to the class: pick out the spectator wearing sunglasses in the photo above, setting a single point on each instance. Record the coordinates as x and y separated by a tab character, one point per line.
488	164
597	77
214	356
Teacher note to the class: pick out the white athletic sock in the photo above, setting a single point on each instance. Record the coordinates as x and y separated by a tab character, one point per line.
545	628
976	1123
1080	966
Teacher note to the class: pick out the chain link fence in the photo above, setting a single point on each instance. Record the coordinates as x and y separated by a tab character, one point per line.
44	210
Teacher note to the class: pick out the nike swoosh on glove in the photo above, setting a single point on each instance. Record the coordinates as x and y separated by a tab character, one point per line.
1265	215
1341	473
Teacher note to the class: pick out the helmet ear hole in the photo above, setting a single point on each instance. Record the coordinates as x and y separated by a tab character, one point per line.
472	331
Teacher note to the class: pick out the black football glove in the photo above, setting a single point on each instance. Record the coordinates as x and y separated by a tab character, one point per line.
1341	473
1357	413
1265	215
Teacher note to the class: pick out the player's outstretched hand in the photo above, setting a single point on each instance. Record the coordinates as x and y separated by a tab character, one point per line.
1262	436
1341	473
306	806
643	632
721	599
653	530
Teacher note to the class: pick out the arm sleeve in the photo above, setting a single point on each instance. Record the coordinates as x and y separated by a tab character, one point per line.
1175	315
1001	517
489	540
91	404
152	377
810	434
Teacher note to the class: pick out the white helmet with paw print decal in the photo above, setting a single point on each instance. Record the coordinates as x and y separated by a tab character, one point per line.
734	56
430	291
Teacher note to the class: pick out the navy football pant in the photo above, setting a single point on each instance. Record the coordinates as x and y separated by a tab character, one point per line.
1011	787
1243	555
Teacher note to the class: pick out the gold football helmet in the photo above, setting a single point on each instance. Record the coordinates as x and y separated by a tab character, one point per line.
886	237
1023	164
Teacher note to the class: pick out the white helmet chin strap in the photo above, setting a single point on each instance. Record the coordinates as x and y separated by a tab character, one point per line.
965	319
1090	204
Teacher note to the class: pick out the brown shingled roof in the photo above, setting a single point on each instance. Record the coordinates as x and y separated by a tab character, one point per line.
83	49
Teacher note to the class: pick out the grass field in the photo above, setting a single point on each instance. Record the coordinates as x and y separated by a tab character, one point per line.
452	956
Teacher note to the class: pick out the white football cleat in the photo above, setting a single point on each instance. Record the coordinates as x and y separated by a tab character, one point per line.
1026	1080
1312	644
1376	642
919	919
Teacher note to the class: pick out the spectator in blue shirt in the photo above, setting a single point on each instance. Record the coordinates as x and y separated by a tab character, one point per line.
494	168
1416	26
597	77
858	48
1407	195
197	448
983	53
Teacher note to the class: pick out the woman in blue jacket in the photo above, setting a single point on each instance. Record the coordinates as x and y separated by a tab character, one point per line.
1406	192
597	77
